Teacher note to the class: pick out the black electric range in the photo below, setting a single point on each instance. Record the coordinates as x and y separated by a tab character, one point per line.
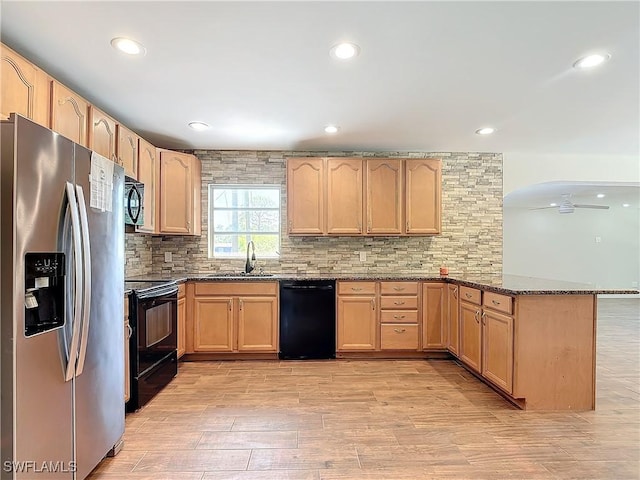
153	317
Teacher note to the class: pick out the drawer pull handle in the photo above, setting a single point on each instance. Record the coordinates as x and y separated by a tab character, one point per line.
230	304
398	289
476	316
484	316
356	289
398	303
455	293
399	330
398	316
373	304
495	302
468	295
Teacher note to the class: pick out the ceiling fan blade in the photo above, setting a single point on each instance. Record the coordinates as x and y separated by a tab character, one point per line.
596	207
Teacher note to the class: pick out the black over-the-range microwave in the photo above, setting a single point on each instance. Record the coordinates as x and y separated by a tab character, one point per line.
133	202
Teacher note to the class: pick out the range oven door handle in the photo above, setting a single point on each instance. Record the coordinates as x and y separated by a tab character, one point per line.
86	260
72	353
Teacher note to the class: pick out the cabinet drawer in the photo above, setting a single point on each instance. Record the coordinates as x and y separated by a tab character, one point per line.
398	303
356	288
399	288
236	288
181	290
495	301
399	316
471	295
399	336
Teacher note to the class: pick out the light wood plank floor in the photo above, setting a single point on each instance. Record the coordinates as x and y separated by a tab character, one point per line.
383	420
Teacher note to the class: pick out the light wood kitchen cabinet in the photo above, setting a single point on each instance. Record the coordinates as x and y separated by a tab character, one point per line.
179	196
127	151
305	196
364	196
257	324
213	324
399	315
127	361
344	196
470	328
148	174
238	317
356	323
434	326
383	185
182	321
453	319
24	88
423	183
102	134
69	113
497	349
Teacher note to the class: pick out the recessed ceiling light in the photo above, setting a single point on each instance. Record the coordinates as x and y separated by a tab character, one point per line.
199	126
128	46
331	129
601	195
553	204
626	205
485	131
592	60
345	51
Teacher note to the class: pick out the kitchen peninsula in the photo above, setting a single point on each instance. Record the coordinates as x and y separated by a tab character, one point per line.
531	340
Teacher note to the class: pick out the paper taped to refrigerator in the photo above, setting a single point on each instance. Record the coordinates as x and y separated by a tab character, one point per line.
101	180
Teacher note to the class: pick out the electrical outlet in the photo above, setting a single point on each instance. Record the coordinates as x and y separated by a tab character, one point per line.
168	257
363	256
598	239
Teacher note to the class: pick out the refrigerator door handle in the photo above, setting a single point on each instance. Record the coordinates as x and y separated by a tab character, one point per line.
77	260
86	256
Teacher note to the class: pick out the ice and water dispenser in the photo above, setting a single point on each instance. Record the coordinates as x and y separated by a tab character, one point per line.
44	292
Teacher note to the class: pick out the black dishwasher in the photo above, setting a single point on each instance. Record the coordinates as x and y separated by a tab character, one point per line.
307	319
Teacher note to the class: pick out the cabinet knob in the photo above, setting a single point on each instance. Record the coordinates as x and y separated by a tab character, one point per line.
468	295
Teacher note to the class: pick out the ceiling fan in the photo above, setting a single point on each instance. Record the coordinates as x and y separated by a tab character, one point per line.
567	206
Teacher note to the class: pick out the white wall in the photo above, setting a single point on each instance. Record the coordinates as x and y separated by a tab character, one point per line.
544	243
547	244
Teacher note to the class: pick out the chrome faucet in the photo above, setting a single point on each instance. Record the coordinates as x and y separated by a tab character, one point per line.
251	264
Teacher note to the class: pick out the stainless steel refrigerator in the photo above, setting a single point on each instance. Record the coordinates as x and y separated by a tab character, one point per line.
61	277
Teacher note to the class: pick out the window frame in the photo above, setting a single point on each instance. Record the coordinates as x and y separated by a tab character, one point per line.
210	212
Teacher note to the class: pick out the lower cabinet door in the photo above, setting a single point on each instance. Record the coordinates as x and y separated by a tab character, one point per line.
470	335
399	337
356	323
182	326
497	349
257	324
213	324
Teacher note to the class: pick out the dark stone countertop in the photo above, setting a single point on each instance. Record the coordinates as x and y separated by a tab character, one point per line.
507	284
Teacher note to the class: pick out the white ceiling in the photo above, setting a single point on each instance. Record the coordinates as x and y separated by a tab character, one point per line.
429	73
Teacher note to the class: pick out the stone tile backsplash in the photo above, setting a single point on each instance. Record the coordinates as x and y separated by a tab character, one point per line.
471	239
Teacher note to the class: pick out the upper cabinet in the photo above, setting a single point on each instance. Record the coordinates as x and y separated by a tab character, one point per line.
102	134
423	179
384	196
25	88
127	151
179	196
305	196
364	196
69	113
344	196
147	174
